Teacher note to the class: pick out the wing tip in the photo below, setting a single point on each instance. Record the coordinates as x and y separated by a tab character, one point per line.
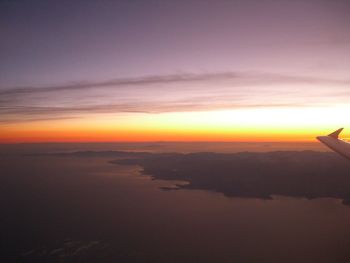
336	133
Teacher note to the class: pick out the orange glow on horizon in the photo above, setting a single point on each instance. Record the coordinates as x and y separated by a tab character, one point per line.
251	125
142	136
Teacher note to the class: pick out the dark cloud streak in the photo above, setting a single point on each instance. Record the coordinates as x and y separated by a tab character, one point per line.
176	78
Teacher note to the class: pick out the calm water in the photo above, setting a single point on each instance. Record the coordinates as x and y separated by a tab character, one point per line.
47	202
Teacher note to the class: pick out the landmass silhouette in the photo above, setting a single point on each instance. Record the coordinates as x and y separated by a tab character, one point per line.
307	174
300	174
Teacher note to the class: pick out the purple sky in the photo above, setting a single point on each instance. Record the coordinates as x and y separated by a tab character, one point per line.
64	58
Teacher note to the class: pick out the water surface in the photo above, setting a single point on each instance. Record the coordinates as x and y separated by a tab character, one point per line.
112	212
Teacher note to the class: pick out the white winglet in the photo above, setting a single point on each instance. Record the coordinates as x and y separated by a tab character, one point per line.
336	133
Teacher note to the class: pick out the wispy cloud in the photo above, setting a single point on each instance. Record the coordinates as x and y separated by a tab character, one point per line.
168	93
239	77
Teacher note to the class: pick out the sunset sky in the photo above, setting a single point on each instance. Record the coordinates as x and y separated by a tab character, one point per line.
240	70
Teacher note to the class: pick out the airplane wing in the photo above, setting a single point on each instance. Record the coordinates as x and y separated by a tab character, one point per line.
333	142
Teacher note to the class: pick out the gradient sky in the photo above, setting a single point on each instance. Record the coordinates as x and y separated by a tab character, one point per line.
173	70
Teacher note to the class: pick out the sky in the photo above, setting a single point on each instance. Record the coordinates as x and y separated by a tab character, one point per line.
252	70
